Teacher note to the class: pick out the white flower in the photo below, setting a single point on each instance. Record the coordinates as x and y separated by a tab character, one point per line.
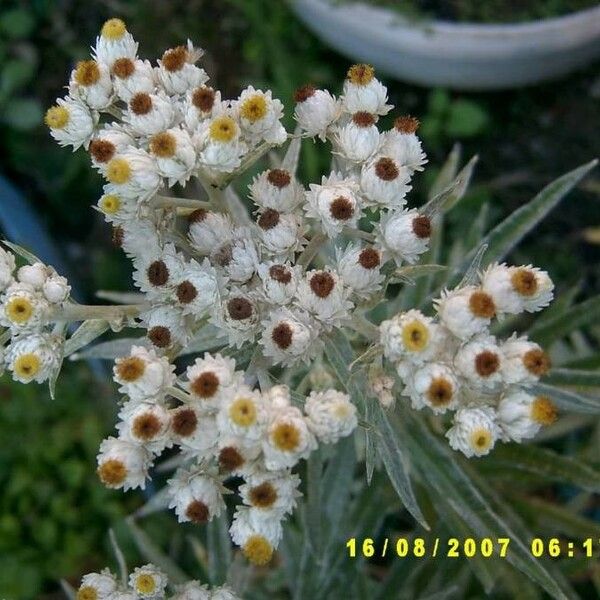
146	424
132	77
201	103
433	385
409	335
194	590
281	233
117	208
71	122
288	439
133	173
323	294
175	155
7	266
404	235
515	416
209	230
235	455
334	203
91	83
33	357
23	308
237	316
288	337
359	267
56	289
403	144
195	497
211	379
330	415
222	593
480	362
114	42
143	375
123	464
279	281
237	256
98	585
138	237
194	430
111	140
158	270
243	414
358	139
148	114
277	189
222	147
33	275
260	114
363	92
196	288
515	289
177	72
385	182
465	311
271	492
166	326
315	110
258	536
475	431
148	582
523	361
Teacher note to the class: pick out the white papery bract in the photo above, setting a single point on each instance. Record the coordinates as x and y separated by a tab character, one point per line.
475	430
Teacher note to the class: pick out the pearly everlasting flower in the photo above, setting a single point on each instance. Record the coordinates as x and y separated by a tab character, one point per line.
363	92
523	361
123	464
474	432
288	336
238	316
330	415
158	269
334	203
194	431
56	289
279	281
143	375
323	295
147	424
22	307
243	414
201	103
71	123
402	143
149	114
521	415
166	326
100	586
277	189
256	535
259	115
131	77
33	275
114	42
410	335
235	456
404	235
517	289
281	234
107	143
193	590
148	582
358	140
238	257
196	288
466	311
316	110
385	182
91	83
434	385
359	267
133	173
7	266
209	230
480	362
177	72
175	155
220	139
33	357
273	493
195	497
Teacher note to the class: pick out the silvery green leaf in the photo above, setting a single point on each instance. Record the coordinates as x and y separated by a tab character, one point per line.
411	272
447	173
471	275
20	251
152	553
235	207
158	501
208	338
313	504
112	349
292	155
573	377
218	545
68	589
87	332
567	400
54	377
580	315
119	556
121	297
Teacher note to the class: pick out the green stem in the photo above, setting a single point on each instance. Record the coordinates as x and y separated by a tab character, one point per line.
83	312
173	202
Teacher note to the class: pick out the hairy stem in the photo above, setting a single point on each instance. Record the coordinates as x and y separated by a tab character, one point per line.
83	312
173	202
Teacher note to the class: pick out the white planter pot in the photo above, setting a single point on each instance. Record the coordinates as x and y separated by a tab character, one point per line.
457	55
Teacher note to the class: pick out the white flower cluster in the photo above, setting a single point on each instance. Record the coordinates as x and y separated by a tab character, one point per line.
149	127
146	583
222	428
453	363
29	300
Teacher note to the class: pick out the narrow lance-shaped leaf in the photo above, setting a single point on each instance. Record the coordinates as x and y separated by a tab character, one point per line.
573	377
567	400
87	332
447	172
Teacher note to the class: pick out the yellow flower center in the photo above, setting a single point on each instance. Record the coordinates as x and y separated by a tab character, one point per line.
258	550
87	592
361	74
481	440
27	365
145	584
285	437
254	108
341	410
543	411
415	336
118	171
87	72
112	472
113	29
110	204
19	310
243	412
57	117
223	129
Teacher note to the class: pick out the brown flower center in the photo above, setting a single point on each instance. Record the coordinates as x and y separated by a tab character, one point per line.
158	273
160	336
322	284
123	68
198	215
163	145
406	124
186	292
285	437
130	369
205	385
363	119
482	305
223	255
87	72
524	282
185	422
361	74
203	98
537	362
279	178
440	392
239	309
268	219
543	411
280	274
146	426
112	472
487	363
282	335
369	258
341	209
102	150
263	495
302	94
230	459
421	226
174	59
140	104
197	512
386	169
